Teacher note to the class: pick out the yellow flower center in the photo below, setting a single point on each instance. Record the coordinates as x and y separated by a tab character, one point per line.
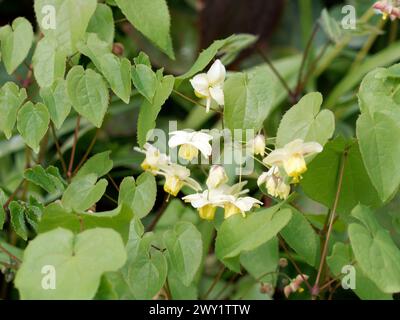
146	166
199	95
188	152
207	212
295	166
173	185
230	210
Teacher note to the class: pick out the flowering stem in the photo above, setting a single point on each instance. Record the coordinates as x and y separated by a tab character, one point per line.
214	283
10	254
159	214
71	161
89	149
283	245
276	72
305	56
60	156
195	102
331	222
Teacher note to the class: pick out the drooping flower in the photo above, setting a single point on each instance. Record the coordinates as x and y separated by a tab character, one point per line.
274	183
388	8
295	285
257	145
216	177
190	143
291	157
210	85
177	176
207	202
154	158
221	195
240	205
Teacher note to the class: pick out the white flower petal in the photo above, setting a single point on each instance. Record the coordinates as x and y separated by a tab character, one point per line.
216	74
218	95
178	138
311	147
192	184
200	84
276	157
263	178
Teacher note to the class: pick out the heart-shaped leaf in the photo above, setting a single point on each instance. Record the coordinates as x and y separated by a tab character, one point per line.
74	263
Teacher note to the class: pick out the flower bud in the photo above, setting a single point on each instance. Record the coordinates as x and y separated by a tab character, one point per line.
216	177
283	262
258	145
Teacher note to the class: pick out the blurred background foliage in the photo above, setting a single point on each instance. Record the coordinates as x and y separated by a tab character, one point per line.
283	28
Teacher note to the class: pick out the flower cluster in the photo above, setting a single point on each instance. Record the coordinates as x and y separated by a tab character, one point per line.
388	8
286	165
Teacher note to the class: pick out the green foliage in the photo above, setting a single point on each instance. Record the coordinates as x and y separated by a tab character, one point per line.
368	239
306	121
238	234
152	19
139	195
74	17
321	181
16	41
32	123
149	111
88	94
78	262
57	101
183	245
11	98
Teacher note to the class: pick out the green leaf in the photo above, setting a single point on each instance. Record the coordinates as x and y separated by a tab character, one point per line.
238	234
142	58
300	236
368	239
140	196
88	94
235	45
145	81
320	182
102	23
11	98
249	100
100	164
48	63
306	121
204	59
16	41
117	72
331	27
3	200
145	271
55	216
184	243
18	219
149	111
57	101
83	193
379	90
71	21
49	179
380	151
78	262
342	256
152	19
262	260
32	123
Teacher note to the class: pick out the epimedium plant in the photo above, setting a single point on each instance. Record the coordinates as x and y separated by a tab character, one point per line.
68	249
